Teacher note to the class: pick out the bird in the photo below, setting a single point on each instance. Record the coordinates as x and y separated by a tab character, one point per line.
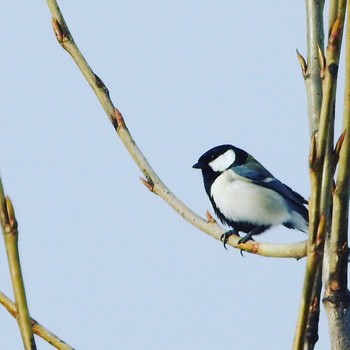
246	196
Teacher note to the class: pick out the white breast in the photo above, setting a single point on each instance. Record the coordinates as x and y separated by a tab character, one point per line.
239	200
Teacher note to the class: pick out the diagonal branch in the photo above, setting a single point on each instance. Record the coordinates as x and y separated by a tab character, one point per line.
154	183
37	328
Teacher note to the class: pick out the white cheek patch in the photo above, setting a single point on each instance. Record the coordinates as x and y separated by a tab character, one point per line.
224	161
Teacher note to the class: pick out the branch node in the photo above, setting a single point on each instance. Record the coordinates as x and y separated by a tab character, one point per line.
335	35
339	145
148	184
313	150
11	214
101	85
118	118
322	60
321	233
302	63
314	305
209	217
57	30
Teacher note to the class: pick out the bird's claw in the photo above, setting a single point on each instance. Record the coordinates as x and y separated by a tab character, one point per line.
225	236
224	239
245	239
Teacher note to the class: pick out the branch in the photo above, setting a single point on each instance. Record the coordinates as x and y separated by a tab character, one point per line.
10	234
338	263
336	296
37	328
311	331
311	71
307	324
322	167
154	183
310	297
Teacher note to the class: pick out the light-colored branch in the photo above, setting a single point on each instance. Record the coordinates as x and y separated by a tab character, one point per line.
336	297
338	264
308	294
37	328
10	234
153	181
315	40
321	171
333	13
313	83
322	164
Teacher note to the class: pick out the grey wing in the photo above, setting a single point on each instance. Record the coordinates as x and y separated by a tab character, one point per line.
259	175
284	190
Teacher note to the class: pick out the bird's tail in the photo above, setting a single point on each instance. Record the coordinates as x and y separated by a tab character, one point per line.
299	219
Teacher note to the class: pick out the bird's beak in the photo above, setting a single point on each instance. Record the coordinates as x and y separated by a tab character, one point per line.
197	166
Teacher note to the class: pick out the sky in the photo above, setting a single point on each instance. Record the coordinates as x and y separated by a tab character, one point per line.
106	263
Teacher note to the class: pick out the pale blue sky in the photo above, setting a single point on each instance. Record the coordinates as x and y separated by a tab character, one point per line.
107	264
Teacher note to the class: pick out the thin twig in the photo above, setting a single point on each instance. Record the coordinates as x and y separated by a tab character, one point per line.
10	234
37	328
154	183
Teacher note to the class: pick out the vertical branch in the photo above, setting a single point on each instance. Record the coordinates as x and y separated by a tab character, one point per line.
306	334
323	164
333	13
336	297
315	40
313	83
339	237
10	234
311	333
321	169
309	305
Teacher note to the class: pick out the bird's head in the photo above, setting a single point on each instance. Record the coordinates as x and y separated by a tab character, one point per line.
220	158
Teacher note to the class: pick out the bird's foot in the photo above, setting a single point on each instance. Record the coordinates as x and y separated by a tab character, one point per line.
255	231
246	238
225	236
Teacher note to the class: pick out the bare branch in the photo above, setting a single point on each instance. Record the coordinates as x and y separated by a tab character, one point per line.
152	181
303	64
336	297
315	42
338	263
10	234
322	167
320	80
37	328
309	294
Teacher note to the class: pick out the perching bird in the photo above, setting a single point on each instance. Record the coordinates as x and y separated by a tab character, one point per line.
246	196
